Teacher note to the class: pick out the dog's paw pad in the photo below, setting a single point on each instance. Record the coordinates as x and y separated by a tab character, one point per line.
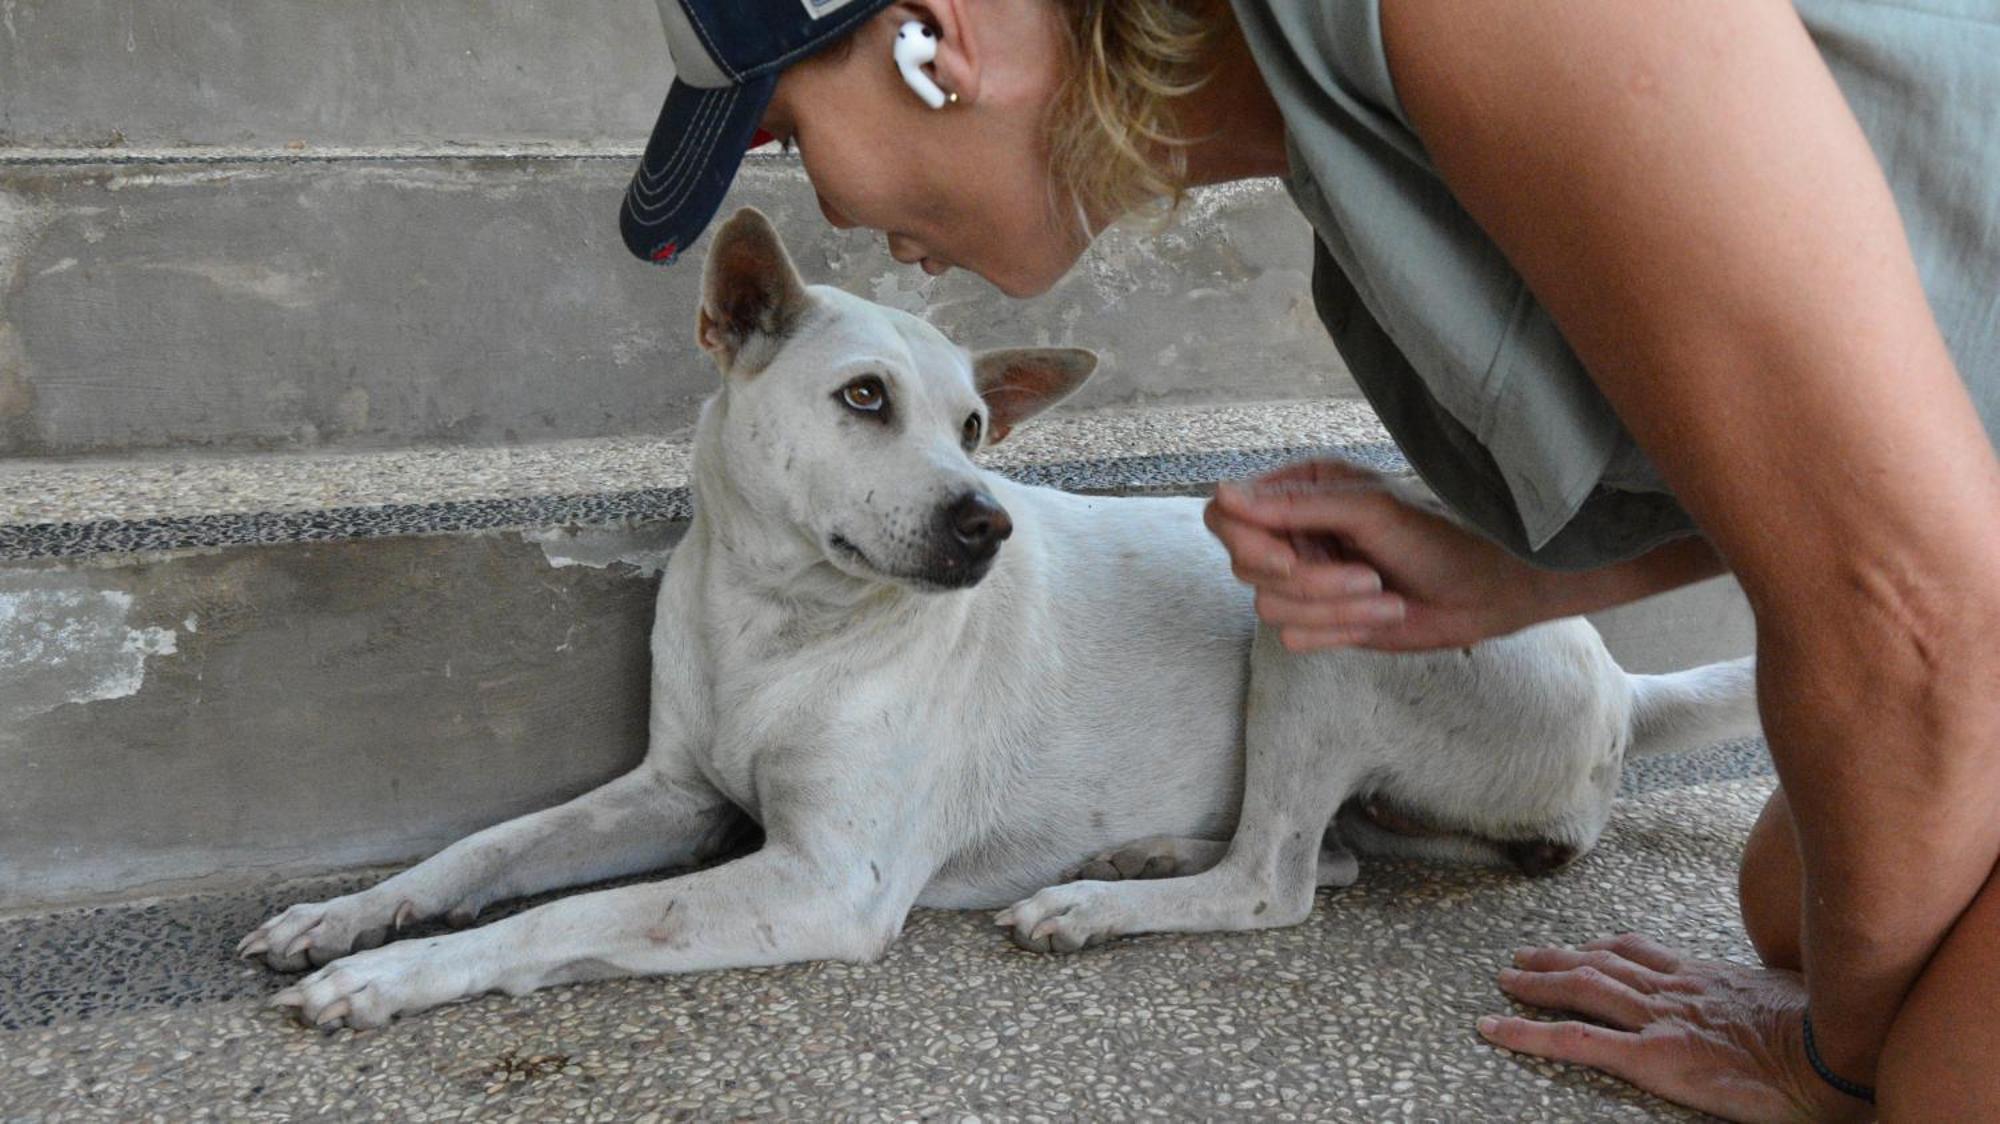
1160	856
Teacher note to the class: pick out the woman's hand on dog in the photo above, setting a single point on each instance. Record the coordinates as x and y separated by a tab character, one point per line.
1339	561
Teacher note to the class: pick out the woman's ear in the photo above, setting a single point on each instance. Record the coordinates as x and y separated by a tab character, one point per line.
956	69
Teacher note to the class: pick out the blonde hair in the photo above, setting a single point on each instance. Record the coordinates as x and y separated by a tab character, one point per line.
1114	147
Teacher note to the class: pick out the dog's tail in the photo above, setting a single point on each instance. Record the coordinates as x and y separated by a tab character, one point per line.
1694	709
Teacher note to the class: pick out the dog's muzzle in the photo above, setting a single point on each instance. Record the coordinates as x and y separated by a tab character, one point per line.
970	531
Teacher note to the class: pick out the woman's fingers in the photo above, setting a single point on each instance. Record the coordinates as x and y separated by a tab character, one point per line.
1300	567
1712	1035
1350	508
1627	971
1348	614
1307	585
1582	990
1325	581
1255	553
1617	1052
1639	950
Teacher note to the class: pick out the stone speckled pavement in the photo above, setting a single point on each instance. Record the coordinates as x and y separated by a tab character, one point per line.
1365	1012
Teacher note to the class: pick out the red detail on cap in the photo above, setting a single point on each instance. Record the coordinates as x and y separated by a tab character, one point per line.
760	138
666	253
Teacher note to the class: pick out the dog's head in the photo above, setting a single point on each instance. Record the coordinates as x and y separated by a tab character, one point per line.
856	425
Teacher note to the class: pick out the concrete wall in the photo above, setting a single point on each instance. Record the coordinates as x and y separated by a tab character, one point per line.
354	304
333	272
306	707
267	73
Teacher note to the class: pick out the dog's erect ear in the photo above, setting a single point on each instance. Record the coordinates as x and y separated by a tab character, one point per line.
1020	382
750	294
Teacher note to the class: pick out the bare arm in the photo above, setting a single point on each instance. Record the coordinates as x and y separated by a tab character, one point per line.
1685	190
1679	563
1336	564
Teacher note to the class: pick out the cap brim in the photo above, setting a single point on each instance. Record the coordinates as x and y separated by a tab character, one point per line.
696	148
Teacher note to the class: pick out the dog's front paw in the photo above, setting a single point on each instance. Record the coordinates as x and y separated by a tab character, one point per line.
1063	918
369	988
313	933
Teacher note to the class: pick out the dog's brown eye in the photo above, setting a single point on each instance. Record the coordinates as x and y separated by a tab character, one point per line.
972	429
865	394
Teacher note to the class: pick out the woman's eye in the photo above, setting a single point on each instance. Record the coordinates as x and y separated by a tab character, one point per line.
972	429
865	394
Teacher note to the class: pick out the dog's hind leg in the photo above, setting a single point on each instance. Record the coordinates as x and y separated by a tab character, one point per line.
641	821
1293	784
1178	856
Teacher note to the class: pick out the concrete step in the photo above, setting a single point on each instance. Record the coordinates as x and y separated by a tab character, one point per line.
221	664
116	74
225	666
349	303
1363	1012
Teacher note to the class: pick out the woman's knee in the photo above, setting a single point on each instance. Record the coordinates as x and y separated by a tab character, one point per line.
1770	884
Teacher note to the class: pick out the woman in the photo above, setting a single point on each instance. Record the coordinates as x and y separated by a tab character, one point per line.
1631	289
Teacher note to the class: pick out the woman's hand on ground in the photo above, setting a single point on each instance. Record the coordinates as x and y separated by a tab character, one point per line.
1338	560
1719	1037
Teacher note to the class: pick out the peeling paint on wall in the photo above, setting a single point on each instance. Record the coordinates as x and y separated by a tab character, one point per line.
645	548
21	221
21	225
255	280
61	646
887	289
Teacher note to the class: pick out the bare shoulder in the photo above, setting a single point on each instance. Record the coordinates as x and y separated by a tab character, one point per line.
1686	191
1618	150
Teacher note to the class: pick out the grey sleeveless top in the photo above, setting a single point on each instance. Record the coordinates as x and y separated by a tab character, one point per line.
1467	370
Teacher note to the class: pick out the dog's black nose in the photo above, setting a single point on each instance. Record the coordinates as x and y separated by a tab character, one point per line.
979	523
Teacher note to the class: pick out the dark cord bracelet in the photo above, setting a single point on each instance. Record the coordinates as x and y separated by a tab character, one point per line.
1851	1088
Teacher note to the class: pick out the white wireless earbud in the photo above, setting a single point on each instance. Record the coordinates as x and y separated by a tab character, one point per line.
916	44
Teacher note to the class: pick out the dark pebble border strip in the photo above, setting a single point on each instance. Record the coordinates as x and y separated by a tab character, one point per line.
122	536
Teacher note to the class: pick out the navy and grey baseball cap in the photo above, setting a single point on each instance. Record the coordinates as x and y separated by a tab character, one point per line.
727	57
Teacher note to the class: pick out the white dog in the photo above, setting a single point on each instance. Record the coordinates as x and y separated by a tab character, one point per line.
916	716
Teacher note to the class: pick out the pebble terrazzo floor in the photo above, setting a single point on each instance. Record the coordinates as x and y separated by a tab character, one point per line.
1363	1013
